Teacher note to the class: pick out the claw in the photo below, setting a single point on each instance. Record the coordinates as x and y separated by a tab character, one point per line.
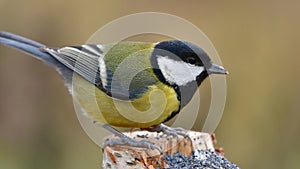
125	140
130	142
169	131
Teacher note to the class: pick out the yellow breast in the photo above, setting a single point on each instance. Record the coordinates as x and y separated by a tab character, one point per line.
154	107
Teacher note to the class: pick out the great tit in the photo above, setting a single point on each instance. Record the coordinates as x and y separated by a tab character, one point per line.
128	80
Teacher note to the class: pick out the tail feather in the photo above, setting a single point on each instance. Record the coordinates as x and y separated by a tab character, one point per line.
21	39
34	48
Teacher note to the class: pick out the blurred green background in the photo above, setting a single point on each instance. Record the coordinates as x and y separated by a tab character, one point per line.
258	42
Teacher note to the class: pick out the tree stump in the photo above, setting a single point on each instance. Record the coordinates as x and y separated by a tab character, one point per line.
120	156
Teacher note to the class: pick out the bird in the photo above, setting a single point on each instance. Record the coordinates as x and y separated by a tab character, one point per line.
134	84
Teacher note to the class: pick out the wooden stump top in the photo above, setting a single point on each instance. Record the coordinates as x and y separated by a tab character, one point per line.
134	157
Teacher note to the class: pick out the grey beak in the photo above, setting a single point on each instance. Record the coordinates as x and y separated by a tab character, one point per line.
216	69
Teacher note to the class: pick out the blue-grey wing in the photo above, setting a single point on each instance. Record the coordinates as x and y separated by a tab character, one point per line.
88	61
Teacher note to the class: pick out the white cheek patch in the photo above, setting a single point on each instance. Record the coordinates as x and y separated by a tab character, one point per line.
178	72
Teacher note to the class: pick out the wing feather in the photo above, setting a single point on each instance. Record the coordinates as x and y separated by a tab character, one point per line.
81	60
89	62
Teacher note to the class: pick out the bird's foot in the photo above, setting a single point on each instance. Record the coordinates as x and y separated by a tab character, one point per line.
125	140
169	130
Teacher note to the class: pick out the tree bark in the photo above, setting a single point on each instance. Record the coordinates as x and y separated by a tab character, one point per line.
121	156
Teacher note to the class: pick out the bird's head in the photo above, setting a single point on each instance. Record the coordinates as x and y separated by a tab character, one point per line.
179	63
183	65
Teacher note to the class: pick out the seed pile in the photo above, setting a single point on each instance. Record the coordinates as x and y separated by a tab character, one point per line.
200	159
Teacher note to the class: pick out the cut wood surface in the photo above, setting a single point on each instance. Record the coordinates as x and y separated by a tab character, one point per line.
121	156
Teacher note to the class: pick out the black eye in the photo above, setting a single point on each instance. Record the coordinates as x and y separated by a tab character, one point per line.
191	60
